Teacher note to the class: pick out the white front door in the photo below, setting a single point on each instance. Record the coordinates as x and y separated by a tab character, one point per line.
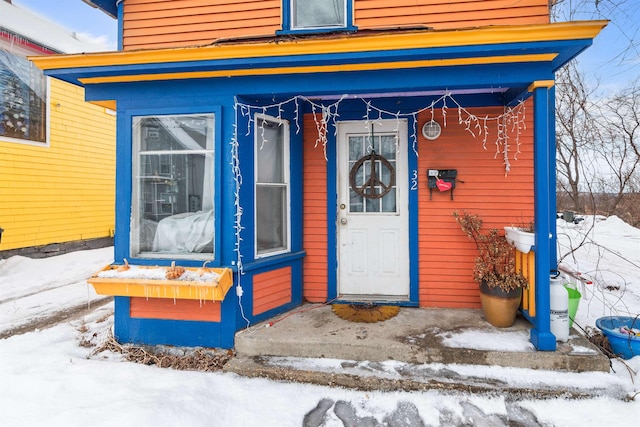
372	217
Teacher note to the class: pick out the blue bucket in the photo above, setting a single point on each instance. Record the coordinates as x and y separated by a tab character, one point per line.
624	345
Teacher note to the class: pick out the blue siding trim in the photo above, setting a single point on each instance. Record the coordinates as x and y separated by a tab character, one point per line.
120	25
124	179
541	336
553	253
287	18
296	295
414	253
123	185
566	49
188	333
353	83
332	215
354	111
110	7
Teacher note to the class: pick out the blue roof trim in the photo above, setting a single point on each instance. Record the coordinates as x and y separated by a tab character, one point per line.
566	50
107	6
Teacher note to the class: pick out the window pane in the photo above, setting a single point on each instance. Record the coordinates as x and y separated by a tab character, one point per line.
272	185
318	13
271	218
23	112
270	152
173	185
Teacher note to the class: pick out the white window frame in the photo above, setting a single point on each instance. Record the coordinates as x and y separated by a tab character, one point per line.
136	194
286	184
47	142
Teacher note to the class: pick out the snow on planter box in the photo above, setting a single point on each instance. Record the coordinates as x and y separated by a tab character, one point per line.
204	284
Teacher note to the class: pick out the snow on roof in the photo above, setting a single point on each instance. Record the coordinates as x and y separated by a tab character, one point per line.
37	29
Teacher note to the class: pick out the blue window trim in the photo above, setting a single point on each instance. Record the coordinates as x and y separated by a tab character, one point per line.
124	175
286	21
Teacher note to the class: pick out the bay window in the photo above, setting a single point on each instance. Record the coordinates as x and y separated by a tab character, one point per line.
173	211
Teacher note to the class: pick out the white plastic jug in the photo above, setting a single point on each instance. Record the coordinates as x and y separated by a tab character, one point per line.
559	305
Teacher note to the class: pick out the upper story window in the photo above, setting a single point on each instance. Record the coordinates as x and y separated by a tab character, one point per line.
23	95
317	15
173	203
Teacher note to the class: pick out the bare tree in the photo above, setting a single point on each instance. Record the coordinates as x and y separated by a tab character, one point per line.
620	149
597	133
575	133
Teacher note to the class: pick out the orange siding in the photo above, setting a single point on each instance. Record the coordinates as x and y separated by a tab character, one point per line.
447	14
171	23
181	309
315	273
446	256
271	289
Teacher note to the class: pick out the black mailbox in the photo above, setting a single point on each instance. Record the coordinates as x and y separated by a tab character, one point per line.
441	179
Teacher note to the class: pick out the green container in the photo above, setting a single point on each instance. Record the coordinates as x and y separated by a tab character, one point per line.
574	301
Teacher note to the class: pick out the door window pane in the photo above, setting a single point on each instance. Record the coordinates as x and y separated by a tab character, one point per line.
359	147
173	186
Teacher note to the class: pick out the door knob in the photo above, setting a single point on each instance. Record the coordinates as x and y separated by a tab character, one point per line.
343	221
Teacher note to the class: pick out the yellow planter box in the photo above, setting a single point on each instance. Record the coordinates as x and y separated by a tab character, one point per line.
214	289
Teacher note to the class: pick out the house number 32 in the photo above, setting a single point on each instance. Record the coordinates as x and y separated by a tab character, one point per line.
414	180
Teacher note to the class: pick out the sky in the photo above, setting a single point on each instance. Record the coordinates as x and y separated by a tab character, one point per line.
77	16
613	61
52	376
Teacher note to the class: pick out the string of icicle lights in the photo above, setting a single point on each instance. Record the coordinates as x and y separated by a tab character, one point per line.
509	125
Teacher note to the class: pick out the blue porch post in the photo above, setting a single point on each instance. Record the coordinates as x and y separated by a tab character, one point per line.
553	252
544	189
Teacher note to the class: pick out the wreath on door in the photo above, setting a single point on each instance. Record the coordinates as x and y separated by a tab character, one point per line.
373	187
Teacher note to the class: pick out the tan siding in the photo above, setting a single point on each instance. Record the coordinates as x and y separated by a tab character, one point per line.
446	255
64	192
172	23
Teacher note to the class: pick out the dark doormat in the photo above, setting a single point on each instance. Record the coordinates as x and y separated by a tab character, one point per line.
365	313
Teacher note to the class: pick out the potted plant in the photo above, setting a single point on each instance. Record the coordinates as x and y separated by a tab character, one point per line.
494	271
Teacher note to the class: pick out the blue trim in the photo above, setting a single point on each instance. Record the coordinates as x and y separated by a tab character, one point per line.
272	263
124	179
110	7
188	333
414	252
307	31
287	18
296	295
123	184
332	215
553	253
471	77
120	25
541	336
353	111
73	74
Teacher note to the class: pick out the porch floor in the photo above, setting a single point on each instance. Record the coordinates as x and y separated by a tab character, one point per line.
414	337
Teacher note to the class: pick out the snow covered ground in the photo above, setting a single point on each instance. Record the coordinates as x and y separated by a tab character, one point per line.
48	378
